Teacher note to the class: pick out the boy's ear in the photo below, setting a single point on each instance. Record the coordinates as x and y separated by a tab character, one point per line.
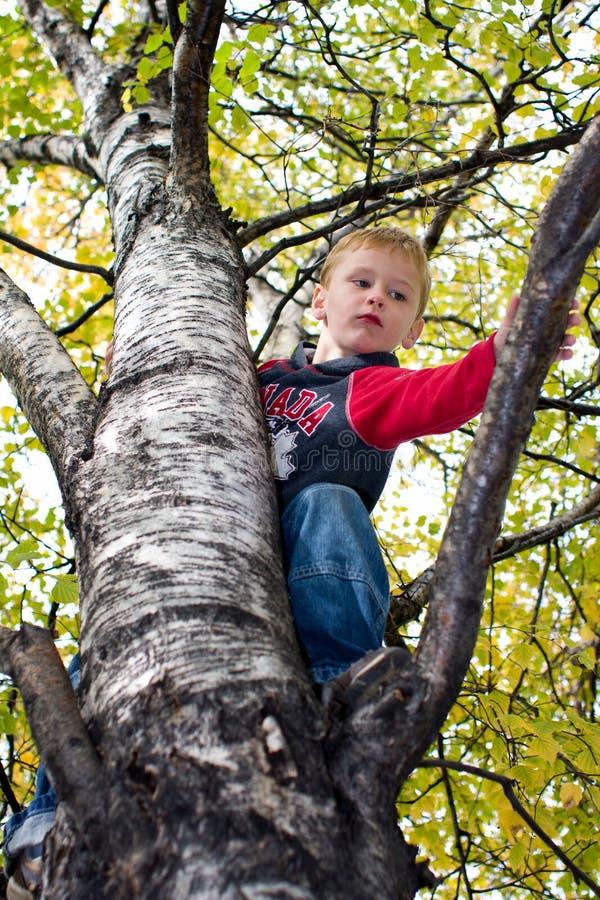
413	334
318	302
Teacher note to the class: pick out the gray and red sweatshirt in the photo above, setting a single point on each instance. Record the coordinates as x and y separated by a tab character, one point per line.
341	421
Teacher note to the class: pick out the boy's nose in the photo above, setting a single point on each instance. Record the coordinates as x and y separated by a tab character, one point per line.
375	300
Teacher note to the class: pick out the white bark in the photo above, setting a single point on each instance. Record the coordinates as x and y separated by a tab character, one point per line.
55	398
61	150
289	329
95	82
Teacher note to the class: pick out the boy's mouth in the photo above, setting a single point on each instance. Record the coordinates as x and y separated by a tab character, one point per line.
373	318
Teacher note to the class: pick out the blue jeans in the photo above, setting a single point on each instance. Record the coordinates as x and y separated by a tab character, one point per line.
29	827
337	581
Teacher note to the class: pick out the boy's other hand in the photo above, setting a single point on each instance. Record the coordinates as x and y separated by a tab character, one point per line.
565	351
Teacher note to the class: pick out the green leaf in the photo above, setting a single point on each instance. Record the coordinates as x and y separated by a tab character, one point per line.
65	590
153	43
24	552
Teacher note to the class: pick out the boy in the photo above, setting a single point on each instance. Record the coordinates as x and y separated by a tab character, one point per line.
336	413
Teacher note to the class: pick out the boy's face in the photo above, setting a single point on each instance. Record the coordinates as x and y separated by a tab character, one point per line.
370	304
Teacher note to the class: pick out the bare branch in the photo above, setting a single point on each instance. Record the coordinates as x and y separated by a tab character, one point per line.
96	18
55	398
584	511
31	659
570	406
406	605
507	787
192	65
175	25
70	327
458	835
397	184
6	788
56	260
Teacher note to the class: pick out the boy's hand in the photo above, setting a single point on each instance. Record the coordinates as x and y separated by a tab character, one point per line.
565	350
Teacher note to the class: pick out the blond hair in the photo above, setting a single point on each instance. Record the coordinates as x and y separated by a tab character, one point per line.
387	237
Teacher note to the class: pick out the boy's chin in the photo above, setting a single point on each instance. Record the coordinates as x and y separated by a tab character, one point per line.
362	348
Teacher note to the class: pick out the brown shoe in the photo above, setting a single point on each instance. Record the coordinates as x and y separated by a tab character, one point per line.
365	678
27	874
16	889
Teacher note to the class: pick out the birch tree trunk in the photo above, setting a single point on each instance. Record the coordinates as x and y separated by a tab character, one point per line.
207	766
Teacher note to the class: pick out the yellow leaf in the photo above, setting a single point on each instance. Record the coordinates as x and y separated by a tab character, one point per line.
570	795
545	748
17	48
511	823
518	856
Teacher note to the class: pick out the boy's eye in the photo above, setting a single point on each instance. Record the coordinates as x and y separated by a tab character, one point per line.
361	282
397	295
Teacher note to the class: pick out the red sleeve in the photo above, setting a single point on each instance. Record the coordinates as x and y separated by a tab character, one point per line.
388	406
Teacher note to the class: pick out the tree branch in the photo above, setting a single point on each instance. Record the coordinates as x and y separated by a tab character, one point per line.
58	403
192	64
31	659
70	327
61	150
555	268
6	788
463	861
396	184
56	260
96	84
408	710
406	605
175	25
569	406
96	18
584	511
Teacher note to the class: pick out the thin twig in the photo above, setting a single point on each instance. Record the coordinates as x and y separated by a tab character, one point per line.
56	260
455	824
70	327
8	792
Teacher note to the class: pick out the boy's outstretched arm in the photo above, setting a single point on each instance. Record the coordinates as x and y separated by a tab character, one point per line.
565	350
